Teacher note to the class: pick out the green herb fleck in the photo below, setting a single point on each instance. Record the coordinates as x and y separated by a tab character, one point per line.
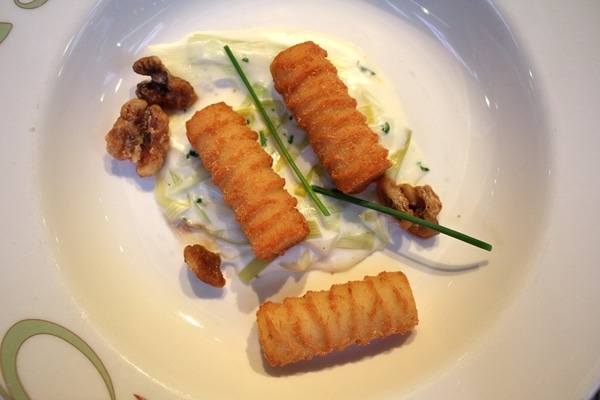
385	128
263	138
192	153
198	200
291	139
245	59
424	168
364	69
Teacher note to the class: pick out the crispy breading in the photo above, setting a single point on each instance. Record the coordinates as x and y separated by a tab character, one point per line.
242	169
338	133
319	322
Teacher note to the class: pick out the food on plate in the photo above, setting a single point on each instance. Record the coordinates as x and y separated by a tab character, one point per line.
420	201
205	264
242	169
226	182
140	134
193	205
319	322
337	131
163	89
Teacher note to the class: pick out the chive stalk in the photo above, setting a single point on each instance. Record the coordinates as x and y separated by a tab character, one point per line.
276	136
336	194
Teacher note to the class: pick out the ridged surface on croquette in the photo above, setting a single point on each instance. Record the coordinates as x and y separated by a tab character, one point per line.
337	131
241	168
317	323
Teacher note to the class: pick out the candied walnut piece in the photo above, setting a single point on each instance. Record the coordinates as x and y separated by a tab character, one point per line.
205	264
140	134
420	201
164	89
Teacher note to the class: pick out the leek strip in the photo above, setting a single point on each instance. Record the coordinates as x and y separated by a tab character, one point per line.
398	156
361	241
269	123
174	177
176	208
252	269
367	111
182	185
313	229
336	194
159	193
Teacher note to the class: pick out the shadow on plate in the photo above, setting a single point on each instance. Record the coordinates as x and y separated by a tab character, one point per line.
408	249
125	169
438	267
195	288
274	285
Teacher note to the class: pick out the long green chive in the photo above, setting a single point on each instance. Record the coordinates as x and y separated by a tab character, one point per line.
271	127
336	194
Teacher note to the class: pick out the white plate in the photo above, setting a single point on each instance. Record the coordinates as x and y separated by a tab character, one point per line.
502	98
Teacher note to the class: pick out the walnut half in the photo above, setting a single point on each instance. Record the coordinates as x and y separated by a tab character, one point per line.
205	264
420	201
140	134
164	89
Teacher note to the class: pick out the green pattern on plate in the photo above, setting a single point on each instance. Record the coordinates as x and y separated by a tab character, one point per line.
19	333
30	4
5	27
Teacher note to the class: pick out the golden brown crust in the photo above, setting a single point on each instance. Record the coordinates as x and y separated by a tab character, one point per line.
337	131
242	169
317	323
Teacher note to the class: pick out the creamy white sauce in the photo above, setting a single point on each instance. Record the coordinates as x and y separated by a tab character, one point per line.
194	206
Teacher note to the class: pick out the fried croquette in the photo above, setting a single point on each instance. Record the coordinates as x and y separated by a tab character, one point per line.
319	322
241	168
338	133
